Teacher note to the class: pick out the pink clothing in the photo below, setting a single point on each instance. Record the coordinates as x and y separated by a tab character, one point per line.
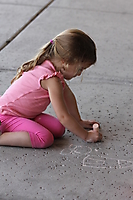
22	104
42	130
25	97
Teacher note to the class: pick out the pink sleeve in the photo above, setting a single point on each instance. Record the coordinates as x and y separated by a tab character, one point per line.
57	74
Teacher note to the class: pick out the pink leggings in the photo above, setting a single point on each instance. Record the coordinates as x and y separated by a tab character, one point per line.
42	130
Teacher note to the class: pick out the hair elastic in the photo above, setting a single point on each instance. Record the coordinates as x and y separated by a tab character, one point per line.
51	41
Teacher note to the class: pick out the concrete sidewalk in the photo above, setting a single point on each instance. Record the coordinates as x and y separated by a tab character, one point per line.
72	169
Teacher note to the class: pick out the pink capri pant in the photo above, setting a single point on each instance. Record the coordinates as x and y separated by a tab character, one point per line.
42	130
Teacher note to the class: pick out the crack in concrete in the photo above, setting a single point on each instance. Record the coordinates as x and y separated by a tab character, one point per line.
25	25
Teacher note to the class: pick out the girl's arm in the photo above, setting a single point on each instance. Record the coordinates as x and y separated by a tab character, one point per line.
71	103
72	107
56	95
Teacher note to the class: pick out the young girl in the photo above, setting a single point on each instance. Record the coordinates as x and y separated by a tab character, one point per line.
41	81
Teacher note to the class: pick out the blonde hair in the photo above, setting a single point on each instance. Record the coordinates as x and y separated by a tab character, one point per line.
71	46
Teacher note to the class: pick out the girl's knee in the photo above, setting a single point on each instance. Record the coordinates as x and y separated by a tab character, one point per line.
59	131
46	142
51	123
42	140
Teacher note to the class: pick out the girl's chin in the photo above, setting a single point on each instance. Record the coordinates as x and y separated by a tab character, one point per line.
68	78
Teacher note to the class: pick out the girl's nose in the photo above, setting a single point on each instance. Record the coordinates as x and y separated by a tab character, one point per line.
79	73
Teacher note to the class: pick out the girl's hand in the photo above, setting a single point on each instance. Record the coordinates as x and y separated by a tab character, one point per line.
94	135
88	123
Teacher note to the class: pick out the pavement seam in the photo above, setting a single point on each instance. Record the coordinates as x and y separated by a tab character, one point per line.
25	25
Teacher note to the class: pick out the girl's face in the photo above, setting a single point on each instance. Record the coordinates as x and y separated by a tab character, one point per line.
70	71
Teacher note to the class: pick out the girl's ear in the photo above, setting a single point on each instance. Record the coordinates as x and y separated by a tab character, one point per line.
65	65
62	69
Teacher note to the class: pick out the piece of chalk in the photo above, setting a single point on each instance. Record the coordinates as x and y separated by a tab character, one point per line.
96	127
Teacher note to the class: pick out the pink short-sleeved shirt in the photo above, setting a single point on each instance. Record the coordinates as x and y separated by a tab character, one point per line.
25	97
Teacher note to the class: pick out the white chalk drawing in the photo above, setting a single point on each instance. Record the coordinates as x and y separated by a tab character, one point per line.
95	161
74	149
105	162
